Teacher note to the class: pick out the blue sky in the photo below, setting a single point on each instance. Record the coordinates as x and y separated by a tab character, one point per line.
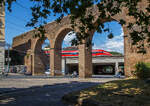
16	21
101	41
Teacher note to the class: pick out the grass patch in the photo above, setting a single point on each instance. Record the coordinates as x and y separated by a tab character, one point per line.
130	92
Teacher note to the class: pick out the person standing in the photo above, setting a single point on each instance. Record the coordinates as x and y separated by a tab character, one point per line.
118	73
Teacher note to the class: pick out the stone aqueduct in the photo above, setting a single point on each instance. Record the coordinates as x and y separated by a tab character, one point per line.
55	32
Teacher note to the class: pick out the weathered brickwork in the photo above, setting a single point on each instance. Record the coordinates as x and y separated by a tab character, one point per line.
55	32
2	37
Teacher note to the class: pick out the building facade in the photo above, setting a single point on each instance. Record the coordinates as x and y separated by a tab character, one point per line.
2	37
102	65
103	62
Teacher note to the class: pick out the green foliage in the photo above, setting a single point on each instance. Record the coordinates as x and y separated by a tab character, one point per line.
116	53
148	65
142	70
110	36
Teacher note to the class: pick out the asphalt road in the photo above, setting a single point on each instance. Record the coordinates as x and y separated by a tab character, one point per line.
42	92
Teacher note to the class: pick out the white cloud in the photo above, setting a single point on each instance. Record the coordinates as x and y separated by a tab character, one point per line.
70	36
115	44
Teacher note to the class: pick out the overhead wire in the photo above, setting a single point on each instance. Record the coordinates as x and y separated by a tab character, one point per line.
15	25
21	5
15	28
15	17
25	52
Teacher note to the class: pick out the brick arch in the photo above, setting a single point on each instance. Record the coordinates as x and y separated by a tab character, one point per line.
128	64
36	41
55	53
85	54
88	61
85	67
60	36
110	20
39	58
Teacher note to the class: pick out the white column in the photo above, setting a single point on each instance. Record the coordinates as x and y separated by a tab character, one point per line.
116	67
64	65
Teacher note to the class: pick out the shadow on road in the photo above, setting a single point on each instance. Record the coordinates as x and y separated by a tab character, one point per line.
46	95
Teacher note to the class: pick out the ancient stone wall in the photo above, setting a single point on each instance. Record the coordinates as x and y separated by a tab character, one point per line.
131	55
2	38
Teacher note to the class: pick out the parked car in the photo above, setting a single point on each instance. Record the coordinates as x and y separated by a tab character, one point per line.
47	72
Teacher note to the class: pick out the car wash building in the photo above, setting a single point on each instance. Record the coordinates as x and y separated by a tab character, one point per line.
104	63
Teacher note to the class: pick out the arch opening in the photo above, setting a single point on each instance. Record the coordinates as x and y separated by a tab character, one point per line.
58	65
41	57
108	54
69	55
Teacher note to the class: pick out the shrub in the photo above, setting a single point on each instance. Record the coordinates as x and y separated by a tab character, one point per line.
142	70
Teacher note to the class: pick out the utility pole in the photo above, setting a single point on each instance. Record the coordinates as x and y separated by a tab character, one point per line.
8	56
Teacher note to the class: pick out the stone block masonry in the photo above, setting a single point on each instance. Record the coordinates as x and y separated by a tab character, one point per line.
2	37
2	49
